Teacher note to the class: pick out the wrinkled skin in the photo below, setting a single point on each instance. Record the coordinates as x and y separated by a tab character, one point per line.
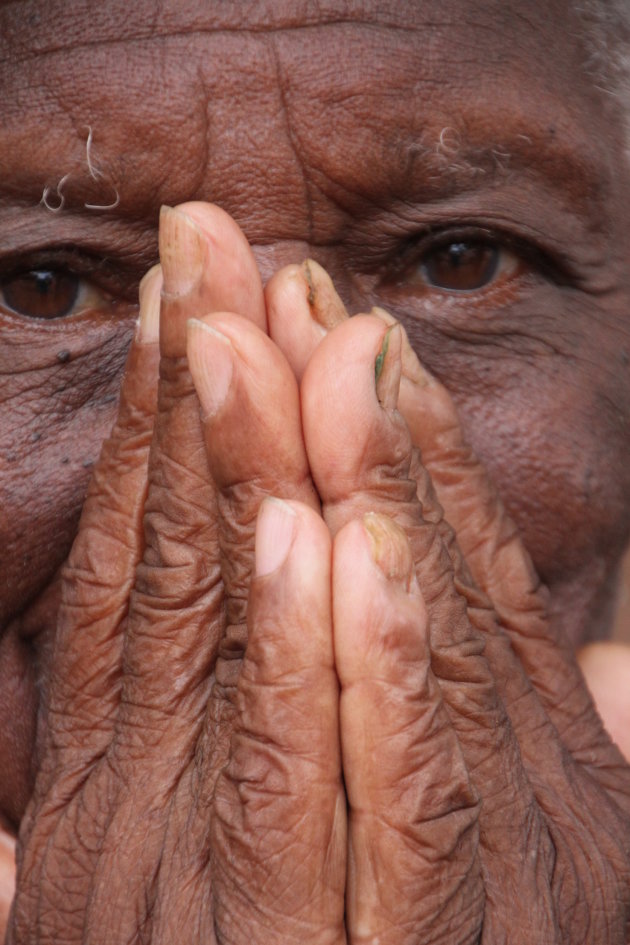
182	788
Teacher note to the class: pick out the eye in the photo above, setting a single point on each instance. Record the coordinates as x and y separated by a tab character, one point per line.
461	265
48	293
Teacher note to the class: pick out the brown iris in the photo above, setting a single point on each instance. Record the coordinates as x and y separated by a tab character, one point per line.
41	293
461	267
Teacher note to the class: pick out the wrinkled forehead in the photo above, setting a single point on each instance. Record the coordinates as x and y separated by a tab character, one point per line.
178	96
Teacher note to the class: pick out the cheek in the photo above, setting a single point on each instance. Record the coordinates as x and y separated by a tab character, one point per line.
54	413
560	457
544	399
18	711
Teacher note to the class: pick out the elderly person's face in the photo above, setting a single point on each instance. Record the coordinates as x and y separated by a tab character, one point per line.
460	169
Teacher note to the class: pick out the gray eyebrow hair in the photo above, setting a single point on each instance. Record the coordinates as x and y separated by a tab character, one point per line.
95	173
454	156
450	161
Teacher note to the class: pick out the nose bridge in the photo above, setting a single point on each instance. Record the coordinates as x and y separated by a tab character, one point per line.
273	256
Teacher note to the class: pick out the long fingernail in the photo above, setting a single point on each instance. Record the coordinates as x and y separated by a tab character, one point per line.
411	367
182	252
211	363
275	530
148	327
387	368
389	548
325	305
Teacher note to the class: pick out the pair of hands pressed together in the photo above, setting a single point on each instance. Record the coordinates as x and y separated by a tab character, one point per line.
342	721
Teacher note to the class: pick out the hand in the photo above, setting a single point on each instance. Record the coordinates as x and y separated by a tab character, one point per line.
496	711
186	791
221	809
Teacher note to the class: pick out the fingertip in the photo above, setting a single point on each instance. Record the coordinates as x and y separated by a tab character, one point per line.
355	441
232	276
375	546
182	252
291	325
211	364
287	528
348	352
387	368
275	532
389	548
325	304
148	327
412	370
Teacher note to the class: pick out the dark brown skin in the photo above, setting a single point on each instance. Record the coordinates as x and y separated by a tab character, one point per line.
405	751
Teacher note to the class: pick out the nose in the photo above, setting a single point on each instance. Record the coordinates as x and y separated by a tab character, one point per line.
273	256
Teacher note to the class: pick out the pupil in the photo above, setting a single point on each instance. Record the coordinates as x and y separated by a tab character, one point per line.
43	281
461	267
41	293
458	254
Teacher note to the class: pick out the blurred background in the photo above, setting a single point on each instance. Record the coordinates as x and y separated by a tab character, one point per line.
622	622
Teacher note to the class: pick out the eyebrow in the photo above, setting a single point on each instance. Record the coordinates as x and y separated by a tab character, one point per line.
450	163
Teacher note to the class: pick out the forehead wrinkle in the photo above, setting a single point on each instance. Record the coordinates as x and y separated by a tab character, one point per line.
45	27
59	37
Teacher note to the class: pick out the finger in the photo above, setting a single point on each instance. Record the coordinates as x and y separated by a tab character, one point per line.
177	614
339	384
7	879
252	429
253	447
85	683
302	306
413	870
362	460
180	630
98	577
560	788
279	832
208	267
501	565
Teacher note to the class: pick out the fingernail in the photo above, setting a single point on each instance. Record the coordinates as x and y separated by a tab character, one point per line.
390	548
411	367
325	305
211	363
148	326
387	368
275	530
182	252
